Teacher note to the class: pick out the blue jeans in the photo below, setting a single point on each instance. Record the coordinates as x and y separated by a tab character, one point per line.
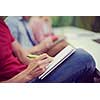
78	68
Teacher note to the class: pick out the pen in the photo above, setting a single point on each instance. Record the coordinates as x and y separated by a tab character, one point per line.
32	56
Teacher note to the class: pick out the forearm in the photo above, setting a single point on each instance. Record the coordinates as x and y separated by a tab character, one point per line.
20	78
42	47
23	58
24	76
35	50
20	53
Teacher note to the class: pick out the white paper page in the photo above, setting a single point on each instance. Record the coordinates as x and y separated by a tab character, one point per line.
67	51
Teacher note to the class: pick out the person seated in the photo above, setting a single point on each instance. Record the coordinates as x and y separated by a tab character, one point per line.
23	34
15	66
41	27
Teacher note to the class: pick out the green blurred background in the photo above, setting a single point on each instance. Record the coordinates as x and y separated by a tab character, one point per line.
87	22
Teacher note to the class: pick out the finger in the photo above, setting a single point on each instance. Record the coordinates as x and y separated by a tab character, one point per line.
43	56
39	69
37	74
42	67
45	61
32	66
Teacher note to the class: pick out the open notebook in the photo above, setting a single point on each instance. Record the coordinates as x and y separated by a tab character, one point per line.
58	59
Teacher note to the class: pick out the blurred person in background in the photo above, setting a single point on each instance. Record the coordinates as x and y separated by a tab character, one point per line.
42	28
19	27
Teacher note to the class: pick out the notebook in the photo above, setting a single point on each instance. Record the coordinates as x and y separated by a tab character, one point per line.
58	59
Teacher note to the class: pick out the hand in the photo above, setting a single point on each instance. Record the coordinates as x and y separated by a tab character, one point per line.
46	44
38	66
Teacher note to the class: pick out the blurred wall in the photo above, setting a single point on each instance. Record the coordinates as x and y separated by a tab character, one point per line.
85	22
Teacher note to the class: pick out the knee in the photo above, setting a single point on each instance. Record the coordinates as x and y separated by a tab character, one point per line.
86	58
